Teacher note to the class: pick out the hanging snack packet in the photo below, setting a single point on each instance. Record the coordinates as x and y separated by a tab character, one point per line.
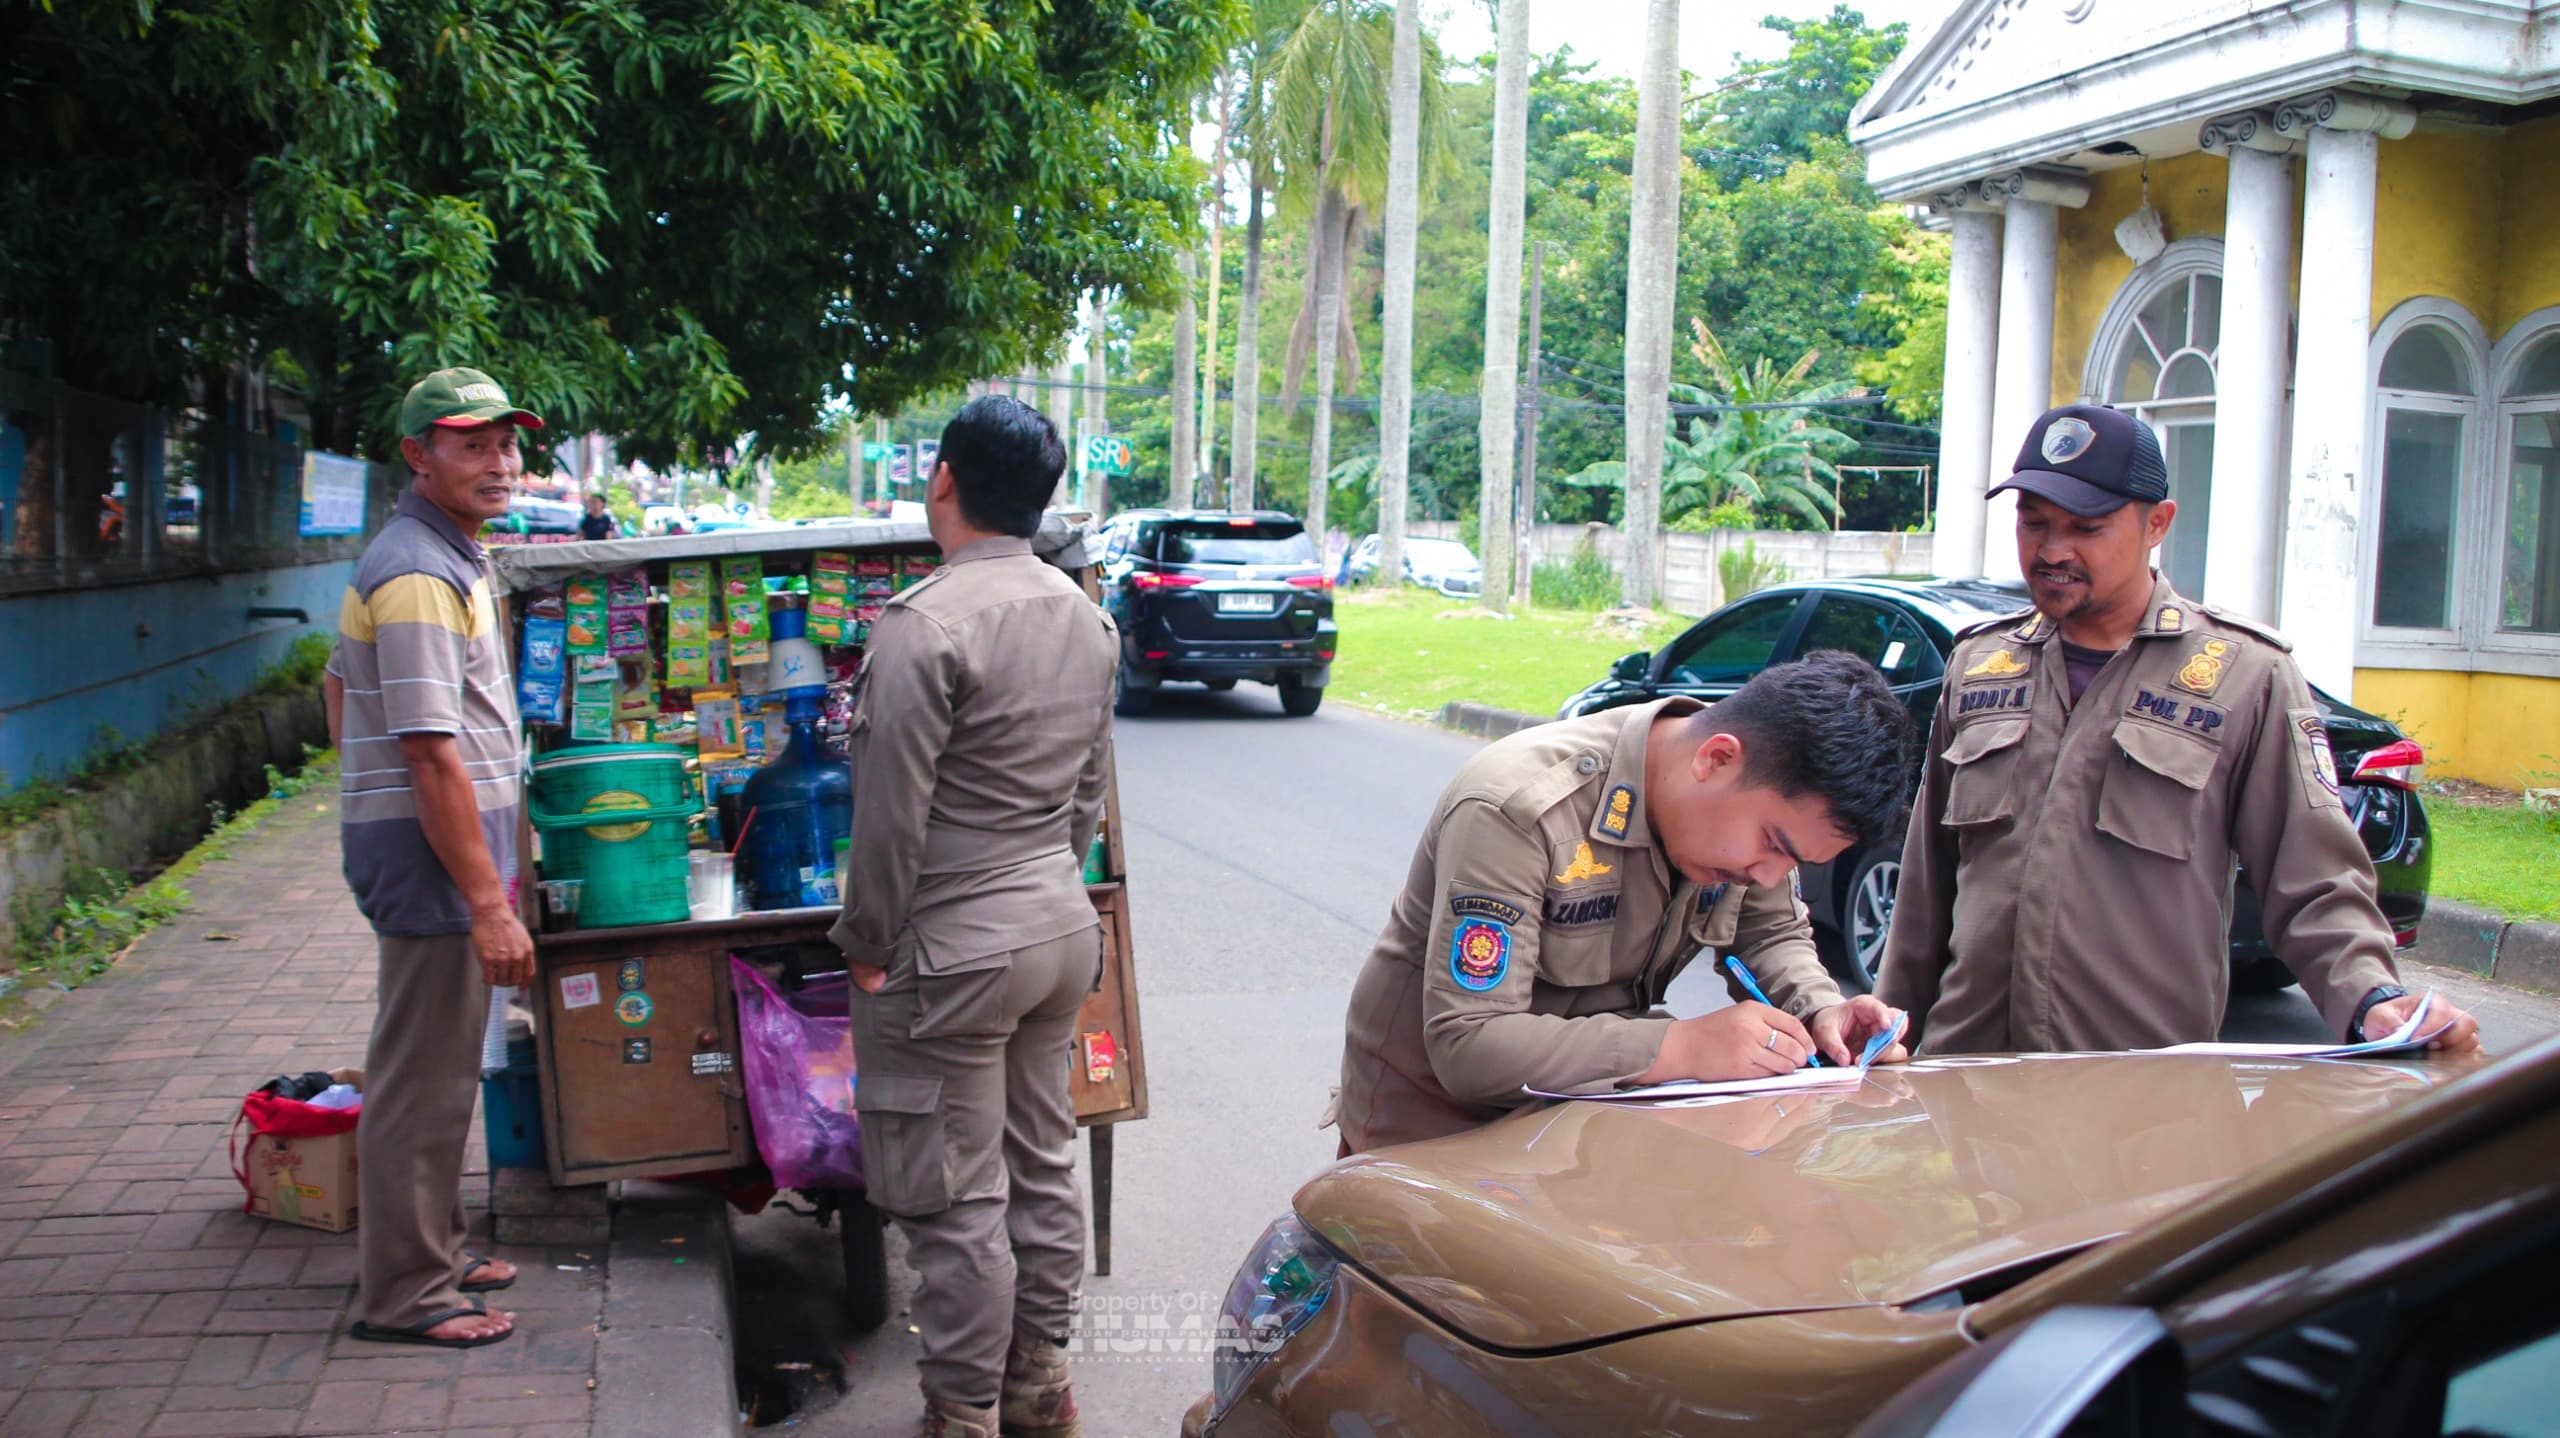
689	579
542	671
591	713
586	608
627	613
715	718
688	664
742	603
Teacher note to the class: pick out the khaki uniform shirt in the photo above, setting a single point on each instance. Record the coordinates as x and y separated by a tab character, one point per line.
980	746
1537	930
2066	882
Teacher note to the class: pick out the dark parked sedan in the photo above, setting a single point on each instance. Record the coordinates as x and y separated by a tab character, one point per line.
1905	628
1213	597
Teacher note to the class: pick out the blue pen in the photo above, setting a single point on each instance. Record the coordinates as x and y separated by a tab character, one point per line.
1751	986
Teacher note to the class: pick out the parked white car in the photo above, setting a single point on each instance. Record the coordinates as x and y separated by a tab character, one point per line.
1441	564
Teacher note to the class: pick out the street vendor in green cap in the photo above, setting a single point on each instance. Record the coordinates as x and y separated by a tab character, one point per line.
423	710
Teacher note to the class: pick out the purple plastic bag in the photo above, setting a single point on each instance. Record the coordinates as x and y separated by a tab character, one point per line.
799	1070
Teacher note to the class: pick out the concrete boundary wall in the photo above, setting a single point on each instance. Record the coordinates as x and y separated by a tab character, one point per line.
160	808
1690	584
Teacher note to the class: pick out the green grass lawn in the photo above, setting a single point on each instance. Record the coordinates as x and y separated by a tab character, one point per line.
1408	652
2500	856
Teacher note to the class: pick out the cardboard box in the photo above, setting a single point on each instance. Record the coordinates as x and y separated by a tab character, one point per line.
306	1181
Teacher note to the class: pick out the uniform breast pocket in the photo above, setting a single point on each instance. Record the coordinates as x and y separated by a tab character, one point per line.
1984	755
1712	928
1575	956
2154	796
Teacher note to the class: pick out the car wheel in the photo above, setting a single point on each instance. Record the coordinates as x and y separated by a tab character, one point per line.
1131	699
1219	686
1866	916
2262	976
1300	700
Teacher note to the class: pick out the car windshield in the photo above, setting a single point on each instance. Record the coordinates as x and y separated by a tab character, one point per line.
1272	542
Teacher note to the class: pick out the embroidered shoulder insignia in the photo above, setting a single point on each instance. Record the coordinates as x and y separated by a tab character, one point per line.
1485	906
2033	628
1479	955
2203	669
1619	812
1584	866
2169	620
1997	664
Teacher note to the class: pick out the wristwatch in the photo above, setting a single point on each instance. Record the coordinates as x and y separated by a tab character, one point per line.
2381	993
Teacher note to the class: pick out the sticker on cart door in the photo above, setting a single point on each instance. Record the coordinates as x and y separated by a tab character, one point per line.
631	978
635	1051
632	1009
580	991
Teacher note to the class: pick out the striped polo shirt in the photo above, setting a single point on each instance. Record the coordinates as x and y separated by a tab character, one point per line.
420	652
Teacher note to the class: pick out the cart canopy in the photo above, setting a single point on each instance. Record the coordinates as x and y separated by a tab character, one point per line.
1060	540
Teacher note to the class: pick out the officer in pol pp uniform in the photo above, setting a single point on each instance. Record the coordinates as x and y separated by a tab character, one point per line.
1572	870
2095	768
980	752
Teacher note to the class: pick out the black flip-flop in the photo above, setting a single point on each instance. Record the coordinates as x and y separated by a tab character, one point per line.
473	1264
417	1333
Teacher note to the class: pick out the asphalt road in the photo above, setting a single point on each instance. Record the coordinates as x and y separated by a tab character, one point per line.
1263	854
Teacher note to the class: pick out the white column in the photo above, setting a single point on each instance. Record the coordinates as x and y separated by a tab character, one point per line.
1965	445
2322	593
2244	549
2023	379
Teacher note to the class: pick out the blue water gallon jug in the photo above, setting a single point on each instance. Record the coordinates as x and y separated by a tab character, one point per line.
799	808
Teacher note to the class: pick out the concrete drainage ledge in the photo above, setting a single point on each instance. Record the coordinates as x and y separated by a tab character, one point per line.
2524	953
1485	721
664	1365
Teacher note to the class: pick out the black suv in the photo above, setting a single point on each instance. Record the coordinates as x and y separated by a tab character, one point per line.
1213	597
1905	628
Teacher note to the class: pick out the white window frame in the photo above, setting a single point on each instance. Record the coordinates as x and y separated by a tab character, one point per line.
2396	647
2181	262
2501	650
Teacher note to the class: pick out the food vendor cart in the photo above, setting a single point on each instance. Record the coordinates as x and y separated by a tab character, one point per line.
637	1026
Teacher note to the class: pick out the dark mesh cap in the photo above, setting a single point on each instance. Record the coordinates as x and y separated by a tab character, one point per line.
2091	460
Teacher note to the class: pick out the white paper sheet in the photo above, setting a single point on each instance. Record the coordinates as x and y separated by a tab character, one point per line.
1699	1088
2405	1039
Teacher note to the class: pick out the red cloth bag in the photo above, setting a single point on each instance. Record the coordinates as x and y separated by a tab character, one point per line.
278	1117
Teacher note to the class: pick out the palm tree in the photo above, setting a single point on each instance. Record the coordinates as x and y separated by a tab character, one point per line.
1273	21
1496	424
1184	462
1330	117
1653	233
1760	450
1395	362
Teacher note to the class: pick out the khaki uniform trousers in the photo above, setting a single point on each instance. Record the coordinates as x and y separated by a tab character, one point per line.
421	1074
968	1140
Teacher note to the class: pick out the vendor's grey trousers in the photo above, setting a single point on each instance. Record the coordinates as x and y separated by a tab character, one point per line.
968	1139
421	1073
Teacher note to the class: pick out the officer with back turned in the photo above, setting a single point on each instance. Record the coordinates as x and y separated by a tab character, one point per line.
980	751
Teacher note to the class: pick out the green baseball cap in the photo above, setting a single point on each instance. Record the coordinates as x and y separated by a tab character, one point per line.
460	399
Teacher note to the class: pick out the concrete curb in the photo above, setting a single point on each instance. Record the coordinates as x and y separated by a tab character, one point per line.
1485	721
665	1362
2521	953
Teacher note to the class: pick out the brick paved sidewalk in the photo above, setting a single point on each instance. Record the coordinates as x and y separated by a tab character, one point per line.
135	1297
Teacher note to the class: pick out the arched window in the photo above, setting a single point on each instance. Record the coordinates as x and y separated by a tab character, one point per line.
2426	407
2155	353
2525	513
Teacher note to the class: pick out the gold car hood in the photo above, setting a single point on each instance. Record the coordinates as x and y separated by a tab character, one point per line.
1576	1222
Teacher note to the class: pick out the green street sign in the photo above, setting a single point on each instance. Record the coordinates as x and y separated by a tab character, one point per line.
1108	454
873	453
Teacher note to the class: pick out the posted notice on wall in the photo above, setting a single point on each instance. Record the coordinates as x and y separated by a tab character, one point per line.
333	490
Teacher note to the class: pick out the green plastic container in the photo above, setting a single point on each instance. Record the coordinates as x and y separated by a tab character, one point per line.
633	868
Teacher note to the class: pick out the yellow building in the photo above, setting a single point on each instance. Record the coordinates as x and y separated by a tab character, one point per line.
2317	245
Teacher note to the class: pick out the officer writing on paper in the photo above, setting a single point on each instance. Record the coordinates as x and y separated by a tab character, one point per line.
2096	767
979	749
1571	871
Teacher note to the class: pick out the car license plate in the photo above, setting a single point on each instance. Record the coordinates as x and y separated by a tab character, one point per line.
1248	603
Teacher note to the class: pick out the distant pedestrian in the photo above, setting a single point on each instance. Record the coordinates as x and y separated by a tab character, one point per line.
424	713
2097	766
981	736
597	524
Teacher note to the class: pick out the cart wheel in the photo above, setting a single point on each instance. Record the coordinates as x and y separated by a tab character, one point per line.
866	1263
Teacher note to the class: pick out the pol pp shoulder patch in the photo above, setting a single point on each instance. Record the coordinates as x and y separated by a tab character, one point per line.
1479	955
1485	906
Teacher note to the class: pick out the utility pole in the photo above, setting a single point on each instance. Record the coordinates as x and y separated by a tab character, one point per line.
853	462
1097	325
1217	267
1527	479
